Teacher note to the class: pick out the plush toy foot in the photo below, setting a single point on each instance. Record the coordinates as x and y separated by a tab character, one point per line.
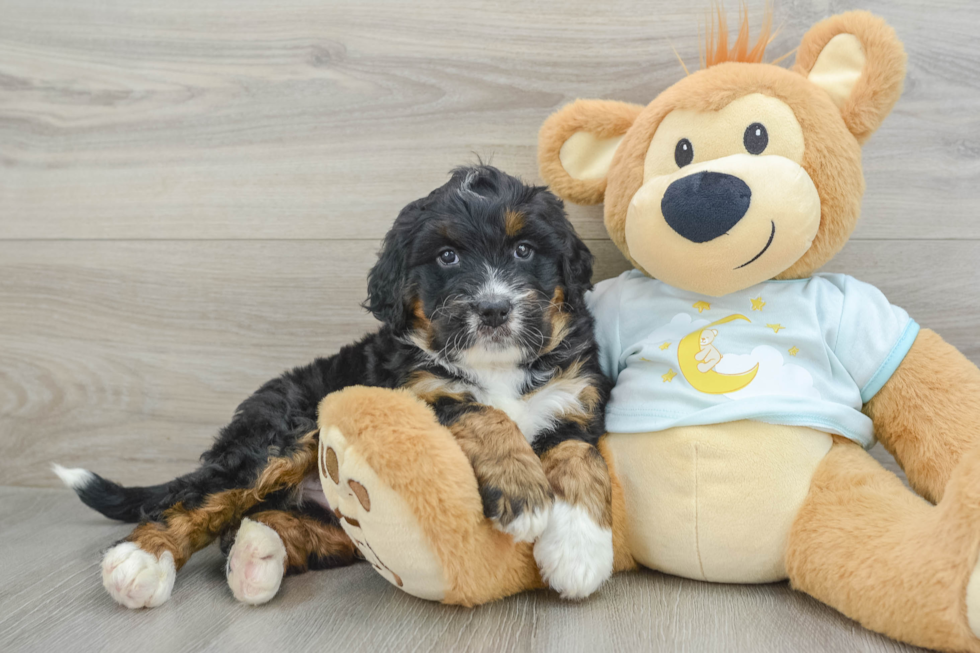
137	579
958	523
962	482
574	554
407	496
256	563
380	523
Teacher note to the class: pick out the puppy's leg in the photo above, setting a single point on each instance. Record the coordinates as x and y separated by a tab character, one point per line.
575	551
272	543
140	571
515	491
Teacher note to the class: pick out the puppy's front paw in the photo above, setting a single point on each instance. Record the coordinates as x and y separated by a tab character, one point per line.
518	498
136	578
574	554
256	563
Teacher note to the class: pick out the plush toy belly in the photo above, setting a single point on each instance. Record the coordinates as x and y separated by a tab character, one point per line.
716	502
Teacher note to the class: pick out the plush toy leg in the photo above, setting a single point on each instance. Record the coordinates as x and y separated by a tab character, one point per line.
866	545
407	496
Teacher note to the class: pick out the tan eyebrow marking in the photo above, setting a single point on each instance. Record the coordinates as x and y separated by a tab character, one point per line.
513	222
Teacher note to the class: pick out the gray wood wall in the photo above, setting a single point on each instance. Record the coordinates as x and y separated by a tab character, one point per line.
191	193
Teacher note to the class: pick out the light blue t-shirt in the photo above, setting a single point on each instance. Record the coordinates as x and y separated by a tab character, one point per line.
807	352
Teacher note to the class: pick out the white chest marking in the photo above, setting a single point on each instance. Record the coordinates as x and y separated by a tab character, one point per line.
500	386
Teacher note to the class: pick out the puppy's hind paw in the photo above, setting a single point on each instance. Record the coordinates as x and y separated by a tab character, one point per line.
574	554
136	578
256	563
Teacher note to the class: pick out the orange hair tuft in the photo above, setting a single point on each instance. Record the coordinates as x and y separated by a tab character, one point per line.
716	49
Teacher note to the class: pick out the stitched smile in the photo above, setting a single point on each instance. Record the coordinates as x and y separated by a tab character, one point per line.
771	236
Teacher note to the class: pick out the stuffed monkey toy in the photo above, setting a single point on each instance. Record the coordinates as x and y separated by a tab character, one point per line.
748	385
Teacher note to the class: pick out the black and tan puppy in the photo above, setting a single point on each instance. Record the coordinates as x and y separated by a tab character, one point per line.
479	287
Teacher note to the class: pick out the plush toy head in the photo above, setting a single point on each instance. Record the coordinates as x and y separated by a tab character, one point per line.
740	172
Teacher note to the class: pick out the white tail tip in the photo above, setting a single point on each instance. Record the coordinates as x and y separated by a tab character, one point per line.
76	478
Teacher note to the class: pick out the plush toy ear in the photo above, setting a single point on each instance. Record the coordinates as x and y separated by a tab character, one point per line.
576	146
858	60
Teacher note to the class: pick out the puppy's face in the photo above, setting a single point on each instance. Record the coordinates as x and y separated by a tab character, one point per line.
478	271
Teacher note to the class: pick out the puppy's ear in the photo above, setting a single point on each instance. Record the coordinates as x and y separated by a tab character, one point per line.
858	60
576	147
388	286
576	268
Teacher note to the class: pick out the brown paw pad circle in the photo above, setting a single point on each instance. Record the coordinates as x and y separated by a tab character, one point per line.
329	466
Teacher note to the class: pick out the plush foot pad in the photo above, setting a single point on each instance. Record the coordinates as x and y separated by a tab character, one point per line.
574	554
527	527
255	563
137	579
378	520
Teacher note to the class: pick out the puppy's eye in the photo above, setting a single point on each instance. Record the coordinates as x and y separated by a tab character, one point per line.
683	153
756	138
523	251
448	258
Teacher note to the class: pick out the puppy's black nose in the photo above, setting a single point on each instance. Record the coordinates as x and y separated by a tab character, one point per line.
705	205
493	313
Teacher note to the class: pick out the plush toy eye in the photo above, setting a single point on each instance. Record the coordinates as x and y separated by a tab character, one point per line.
756	138
448	257
523	251
683	153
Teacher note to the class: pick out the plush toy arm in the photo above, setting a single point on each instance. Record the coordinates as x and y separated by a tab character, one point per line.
515	491
928	414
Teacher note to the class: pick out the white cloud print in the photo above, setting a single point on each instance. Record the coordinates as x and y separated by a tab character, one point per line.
775	377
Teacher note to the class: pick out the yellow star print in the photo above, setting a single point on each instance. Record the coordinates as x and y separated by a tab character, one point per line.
664	346
669	376
775	327
757	303
701	306
794	351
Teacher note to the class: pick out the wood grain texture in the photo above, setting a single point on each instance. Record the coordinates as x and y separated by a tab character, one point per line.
51	599
191	194
310	119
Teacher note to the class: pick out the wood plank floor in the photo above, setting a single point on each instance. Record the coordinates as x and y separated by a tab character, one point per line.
191	194
55	602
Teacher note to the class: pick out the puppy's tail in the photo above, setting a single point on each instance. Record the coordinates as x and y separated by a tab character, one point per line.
128	504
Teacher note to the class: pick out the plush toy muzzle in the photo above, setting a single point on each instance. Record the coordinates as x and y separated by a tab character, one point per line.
725	224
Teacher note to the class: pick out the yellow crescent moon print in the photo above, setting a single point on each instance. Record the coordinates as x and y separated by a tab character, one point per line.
710	382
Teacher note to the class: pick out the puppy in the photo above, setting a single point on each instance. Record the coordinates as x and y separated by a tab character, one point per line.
479	287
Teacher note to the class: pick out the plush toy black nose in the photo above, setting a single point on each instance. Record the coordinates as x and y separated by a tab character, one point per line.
705	205
493	313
